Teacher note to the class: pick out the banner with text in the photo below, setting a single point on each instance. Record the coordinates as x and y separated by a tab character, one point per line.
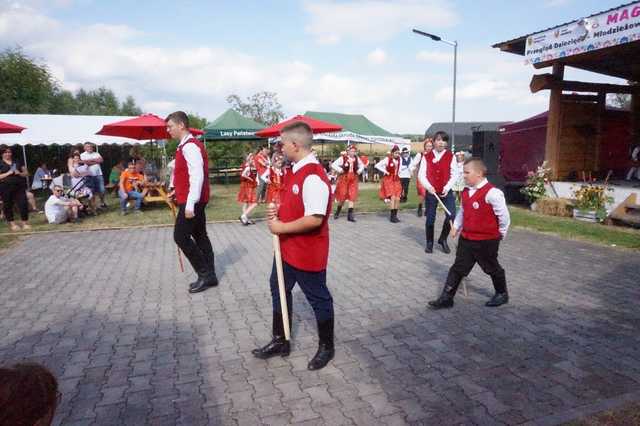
612	28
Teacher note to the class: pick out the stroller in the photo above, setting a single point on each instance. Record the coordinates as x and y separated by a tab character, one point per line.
76	188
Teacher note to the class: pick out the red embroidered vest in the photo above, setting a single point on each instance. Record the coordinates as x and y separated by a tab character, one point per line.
479	222
181	174
438	174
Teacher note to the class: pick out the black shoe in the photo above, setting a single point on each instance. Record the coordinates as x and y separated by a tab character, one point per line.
445	246
419	210
278	346
350	217
428	231
441	303
337	213
497	300
429	247
323	356
394	216
198	286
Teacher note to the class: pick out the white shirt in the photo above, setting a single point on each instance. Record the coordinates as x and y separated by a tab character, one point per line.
405	170
416	162
495	197
382	164
54	208
315	193
94	169
339	162
195	165
453	171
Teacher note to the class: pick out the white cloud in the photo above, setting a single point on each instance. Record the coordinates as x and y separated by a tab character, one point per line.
556	3
435	57
377	57
374	20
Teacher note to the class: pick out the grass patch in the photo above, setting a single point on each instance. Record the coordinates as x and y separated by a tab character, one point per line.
574	229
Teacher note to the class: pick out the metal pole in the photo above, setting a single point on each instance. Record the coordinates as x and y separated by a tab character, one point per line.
24	156
453	121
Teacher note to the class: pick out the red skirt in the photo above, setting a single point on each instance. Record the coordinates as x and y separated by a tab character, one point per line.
347	187
390	186
420	189
247	193
273	193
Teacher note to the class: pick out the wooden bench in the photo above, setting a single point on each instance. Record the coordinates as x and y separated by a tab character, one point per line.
226	172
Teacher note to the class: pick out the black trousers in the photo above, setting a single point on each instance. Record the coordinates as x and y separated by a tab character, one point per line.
405	188
191	236
13	195
312	284
485	254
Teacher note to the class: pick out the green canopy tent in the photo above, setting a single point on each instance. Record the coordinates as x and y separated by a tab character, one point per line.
356	128
231	126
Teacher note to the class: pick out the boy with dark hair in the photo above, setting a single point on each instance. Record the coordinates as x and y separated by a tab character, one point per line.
483	220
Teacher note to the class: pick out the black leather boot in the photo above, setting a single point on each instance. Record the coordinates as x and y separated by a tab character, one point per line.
350	217
326	351
498	299
337	213
429	237
394	216
445	300
446	228
278	346
419	210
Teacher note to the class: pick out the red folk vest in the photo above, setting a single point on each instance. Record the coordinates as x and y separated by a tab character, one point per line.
181	174
438	174
392	168
479	222
308	251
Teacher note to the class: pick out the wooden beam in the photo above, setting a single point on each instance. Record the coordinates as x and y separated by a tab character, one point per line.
554	123
549	82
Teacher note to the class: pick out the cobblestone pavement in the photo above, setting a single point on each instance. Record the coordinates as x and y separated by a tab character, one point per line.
109	313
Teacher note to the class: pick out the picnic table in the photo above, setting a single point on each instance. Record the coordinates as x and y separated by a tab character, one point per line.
157	194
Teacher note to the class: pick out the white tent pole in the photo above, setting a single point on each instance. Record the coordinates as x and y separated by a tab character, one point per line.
24	155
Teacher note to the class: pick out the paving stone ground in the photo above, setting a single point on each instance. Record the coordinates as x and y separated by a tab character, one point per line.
109	313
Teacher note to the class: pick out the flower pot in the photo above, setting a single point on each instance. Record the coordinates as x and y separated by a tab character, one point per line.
586	215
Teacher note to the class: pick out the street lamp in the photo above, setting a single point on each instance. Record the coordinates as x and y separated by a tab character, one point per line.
455	67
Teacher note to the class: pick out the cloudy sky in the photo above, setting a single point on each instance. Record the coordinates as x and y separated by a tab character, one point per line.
352	56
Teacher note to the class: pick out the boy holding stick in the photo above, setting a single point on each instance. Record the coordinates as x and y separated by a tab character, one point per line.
303	230
483	220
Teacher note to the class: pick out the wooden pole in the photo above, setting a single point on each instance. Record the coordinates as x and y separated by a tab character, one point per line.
554	124
281	290
173	213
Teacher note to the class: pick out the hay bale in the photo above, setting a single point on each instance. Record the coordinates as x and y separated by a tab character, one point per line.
555	206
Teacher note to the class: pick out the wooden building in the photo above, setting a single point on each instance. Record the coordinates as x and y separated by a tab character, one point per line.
607	43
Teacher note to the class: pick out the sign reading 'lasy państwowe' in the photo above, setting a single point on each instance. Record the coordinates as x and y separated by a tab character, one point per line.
617	26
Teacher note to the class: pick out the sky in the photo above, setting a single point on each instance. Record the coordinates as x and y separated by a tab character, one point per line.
351	56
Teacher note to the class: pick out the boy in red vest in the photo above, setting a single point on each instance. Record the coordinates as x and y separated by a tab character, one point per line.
483	220
301	222
191	192
437	174
348	167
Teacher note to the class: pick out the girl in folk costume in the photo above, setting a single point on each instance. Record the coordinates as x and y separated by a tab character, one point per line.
390	186
459	185
248	184
275	179
415	165
348	167
437	175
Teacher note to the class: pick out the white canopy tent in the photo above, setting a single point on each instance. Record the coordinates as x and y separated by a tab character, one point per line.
43	129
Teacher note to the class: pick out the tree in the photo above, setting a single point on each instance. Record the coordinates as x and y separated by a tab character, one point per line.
129	107
262	107
25	86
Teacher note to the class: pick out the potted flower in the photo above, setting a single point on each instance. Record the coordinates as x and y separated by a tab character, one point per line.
591	201
535	186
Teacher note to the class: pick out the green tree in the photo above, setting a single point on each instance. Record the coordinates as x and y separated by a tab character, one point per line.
262	107
129	107
25	86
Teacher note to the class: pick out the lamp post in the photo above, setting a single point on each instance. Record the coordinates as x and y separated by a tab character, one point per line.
455	70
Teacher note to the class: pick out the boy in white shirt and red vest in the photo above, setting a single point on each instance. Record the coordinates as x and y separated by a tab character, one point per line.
190	181
483	221
348	167
437	174
301	221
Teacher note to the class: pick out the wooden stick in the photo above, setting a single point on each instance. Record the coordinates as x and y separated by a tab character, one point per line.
173	213
281	290
464	284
